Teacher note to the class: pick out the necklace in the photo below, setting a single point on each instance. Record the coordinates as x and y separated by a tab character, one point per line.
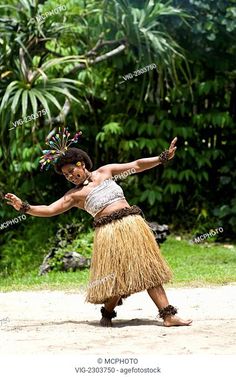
86	181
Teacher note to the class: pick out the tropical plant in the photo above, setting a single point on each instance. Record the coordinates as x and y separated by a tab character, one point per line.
191	95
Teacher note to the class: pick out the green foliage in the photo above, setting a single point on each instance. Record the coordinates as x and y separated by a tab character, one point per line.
24	251
191	95
82	245
56	262
30	85
199	185
69	238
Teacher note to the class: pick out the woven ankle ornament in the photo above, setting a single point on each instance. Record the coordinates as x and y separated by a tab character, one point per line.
164	156
168	310
107	314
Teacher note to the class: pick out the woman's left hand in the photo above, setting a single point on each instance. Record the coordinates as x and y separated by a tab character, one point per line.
172	148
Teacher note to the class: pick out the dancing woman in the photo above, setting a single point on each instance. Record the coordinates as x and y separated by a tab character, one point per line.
126	258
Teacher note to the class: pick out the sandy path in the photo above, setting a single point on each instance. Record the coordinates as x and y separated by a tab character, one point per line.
56	322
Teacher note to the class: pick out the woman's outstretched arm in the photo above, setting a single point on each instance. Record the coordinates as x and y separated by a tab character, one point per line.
62	205
140	164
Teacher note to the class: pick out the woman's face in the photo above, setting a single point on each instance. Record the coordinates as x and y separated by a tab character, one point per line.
73	173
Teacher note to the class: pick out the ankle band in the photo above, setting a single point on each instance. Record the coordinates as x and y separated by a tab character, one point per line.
168	310
107	314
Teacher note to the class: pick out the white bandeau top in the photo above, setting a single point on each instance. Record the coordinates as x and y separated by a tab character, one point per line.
102	195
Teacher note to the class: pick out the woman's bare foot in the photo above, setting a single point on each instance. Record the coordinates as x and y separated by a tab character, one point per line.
173	320
106	322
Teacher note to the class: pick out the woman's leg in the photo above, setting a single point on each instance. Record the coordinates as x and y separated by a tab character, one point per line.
159	297
109	306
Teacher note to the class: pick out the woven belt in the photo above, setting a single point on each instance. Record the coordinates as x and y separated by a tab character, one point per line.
117	215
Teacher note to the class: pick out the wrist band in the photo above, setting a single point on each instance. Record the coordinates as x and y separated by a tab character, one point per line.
24	207
164	156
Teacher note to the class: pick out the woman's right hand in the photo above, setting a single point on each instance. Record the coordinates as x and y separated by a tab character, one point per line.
14	201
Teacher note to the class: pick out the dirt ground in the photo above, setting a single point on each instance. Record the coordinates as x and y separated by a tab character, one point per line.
56	323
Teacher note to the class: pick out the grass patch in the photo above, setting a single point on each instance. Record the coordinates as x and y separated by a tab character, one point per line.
50	281
199	264
193	265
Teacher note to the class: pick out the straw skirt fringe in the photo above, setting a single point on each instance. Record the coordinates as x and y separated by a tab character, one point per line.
126	259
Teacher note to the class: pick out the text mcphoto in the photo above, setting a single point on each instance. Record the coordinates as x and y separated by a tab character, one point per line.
51	12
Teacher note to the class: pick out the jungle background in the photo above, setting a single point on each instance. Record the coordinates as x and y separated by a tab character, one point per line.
75	62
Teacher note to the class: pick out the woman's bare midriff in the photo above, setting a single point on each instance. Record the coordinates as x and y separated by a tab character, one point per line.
112	207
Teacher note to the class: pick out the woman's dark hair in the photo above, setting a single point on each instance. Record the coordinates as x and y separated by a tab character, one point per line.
71	156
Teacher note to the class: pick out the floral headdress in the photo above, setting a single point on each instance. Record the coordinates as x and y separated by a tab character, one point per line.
59	145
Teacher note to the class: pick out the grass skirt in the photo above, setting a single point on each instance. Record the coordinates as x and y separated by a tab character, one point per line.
126	259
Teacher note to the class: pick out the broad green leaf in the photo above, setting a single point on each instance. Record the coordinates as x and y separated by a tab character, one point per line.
11	88
15	102
24	103
33	101
43	101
